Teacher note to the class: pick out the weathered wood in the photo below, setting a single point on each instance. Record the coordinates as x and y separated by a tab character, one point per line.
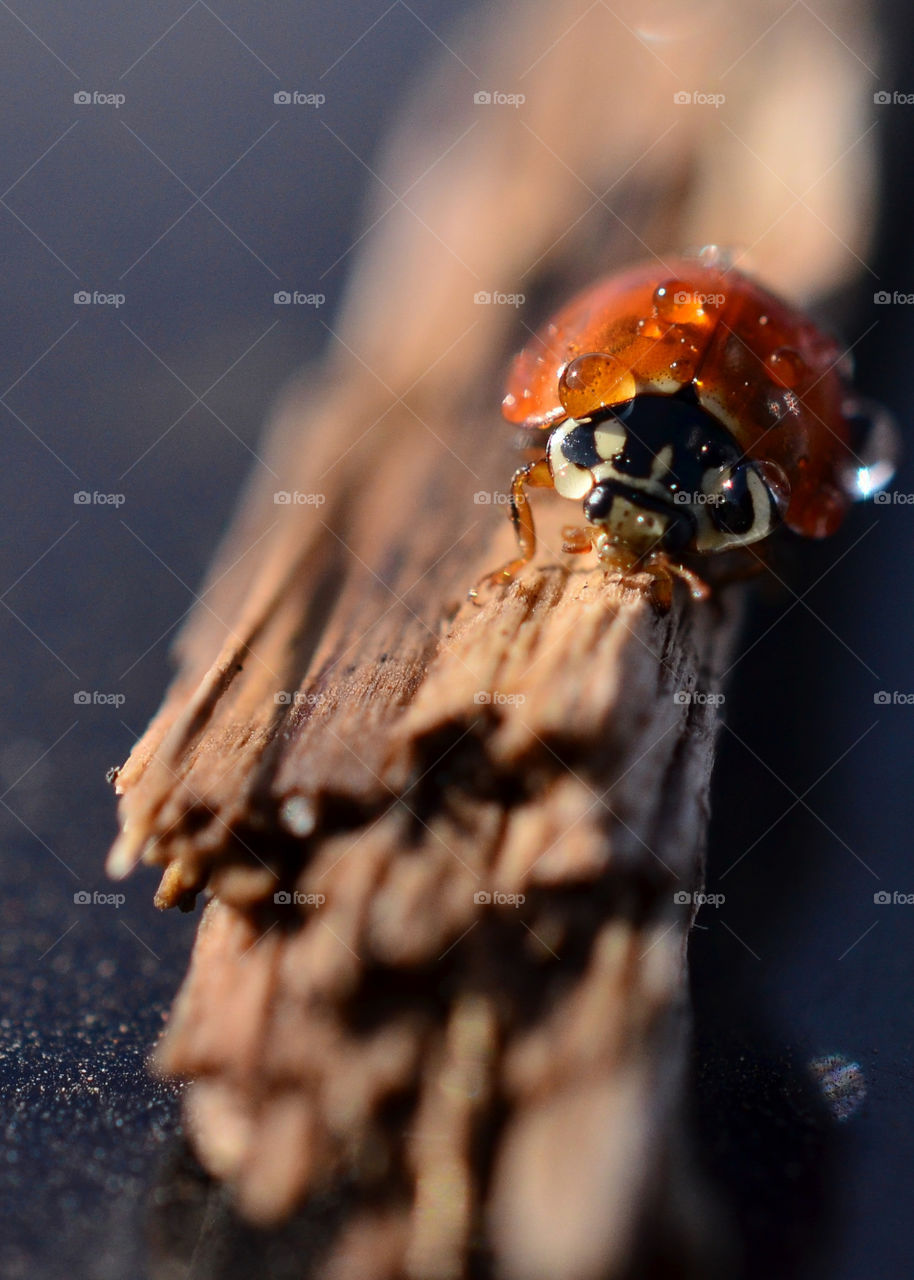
492	1077
403	1002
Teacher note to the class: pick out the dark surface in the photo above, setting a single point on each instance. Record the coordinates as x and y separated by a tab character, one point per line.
85	987
798	962
832	971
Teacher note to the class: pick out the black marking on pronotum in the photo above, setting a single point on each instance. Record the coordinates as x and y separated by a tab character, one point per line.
656	421
580	447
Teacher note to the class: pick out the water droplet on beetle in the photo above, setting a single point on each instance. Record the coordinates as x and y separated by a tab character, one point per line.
874	444
679	303
775	480
593	382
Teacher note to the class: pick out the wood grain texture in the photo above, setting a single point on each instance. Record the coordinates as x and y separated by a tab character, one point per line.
471	1029
473	1064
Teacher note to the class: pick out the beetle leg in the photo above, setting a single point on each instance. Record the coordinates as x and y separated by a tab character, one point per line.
536	475
646	576
576	540
660	564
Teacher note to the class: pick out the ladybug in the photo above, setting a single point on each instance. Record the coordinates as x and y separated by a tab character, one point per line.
691	412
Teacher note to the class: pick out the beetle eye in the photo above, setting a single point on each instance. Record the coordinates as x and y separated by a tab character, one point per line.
733	508
744	500
875	447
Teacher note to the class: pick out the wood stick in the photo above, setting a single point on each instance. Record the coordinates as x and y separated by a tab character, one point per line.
451	850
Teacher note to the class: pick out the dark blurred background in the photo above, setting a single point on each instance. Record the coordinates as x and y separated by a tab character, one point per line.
189	205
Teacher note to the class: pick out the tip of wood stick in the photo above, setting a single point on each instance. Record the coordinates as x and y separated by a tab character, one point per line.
125	853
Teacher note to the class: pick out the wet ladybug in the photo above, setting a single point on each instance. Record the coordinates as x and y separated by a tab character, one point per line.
690	411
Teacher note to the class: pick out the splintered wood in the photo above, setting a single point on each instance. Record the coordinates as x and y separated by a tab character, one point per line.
473	1003
440	977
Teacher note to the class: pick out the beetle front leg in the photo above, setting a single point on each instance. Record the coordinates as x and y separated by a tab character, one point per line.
535	475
